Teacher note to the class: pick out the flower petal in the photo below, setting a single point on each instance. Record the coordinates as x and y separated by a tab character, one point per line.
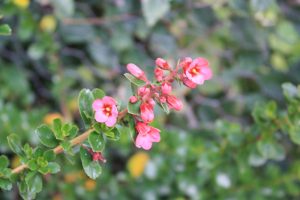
154	134
111	121
143	141
100	116
97	104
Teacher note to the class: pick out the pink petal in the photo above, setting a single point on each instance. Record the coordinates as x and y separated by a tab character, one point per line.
200	61
108	100
143	141
198	79
206	72
154	134
111	121
114	111
100	116
97	104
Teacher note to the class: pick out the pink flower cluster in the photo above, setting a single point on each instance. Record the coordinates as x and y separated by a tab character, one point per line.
190	72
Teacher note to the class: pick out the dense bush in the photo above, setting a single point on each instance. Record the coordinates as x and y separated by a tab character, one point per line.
237	136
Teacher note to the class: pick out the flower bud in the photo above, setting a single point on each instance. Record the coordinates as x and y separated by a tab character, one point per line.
133	99
159	73
174	103
136	71
147	112
162	63
166	88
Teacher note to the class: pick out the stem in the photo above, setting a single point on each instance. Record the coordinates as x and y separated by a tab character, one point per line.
76	141
57	150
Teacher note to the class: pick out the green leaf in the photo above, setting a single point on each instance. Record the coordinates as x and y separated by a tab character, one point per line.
49	155
134	108
3	162
32	165
96	141
290	91
134	80
41	161
154	10
91	168
5	29
57	128
271	149
5	184
128	126
98	94
73	132
46	136
32	185
14	143
165	107
85	101
114	134
28	150
53	167
67	146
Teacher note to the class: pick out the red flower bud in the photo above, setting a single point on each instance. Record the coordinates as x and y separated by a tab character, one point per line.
147	113
159	73
162	63
136	71
166	88
174	103
133	99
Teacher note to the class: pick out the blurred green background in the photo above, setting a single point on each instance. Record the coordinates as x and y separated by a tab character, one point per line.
210	150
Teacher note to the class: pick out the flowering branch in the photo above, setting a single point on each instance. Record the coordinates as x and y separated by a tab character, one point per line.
103	121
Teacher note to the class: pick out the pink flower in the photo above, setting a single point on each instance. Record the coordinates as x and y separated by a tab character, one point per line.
162	63
106	111
166	88
197	71
174	103
146	135
159	74
136	71
147	113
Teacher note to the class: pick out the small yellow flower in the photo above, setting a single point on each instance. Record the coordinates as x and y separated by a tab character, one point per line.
48	119
48	23
90	184
21	3
137	163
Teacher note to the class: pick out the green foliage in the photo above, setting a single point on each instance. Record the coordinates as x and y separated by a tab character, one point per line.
237	137
134	108
134	80
5	29
46	136
31	185
96	141
91	168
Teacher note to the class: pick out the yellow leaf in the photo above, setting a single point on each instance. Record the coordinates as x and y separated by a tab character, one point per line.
137	163
48	119
90	184
21	3
48	23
